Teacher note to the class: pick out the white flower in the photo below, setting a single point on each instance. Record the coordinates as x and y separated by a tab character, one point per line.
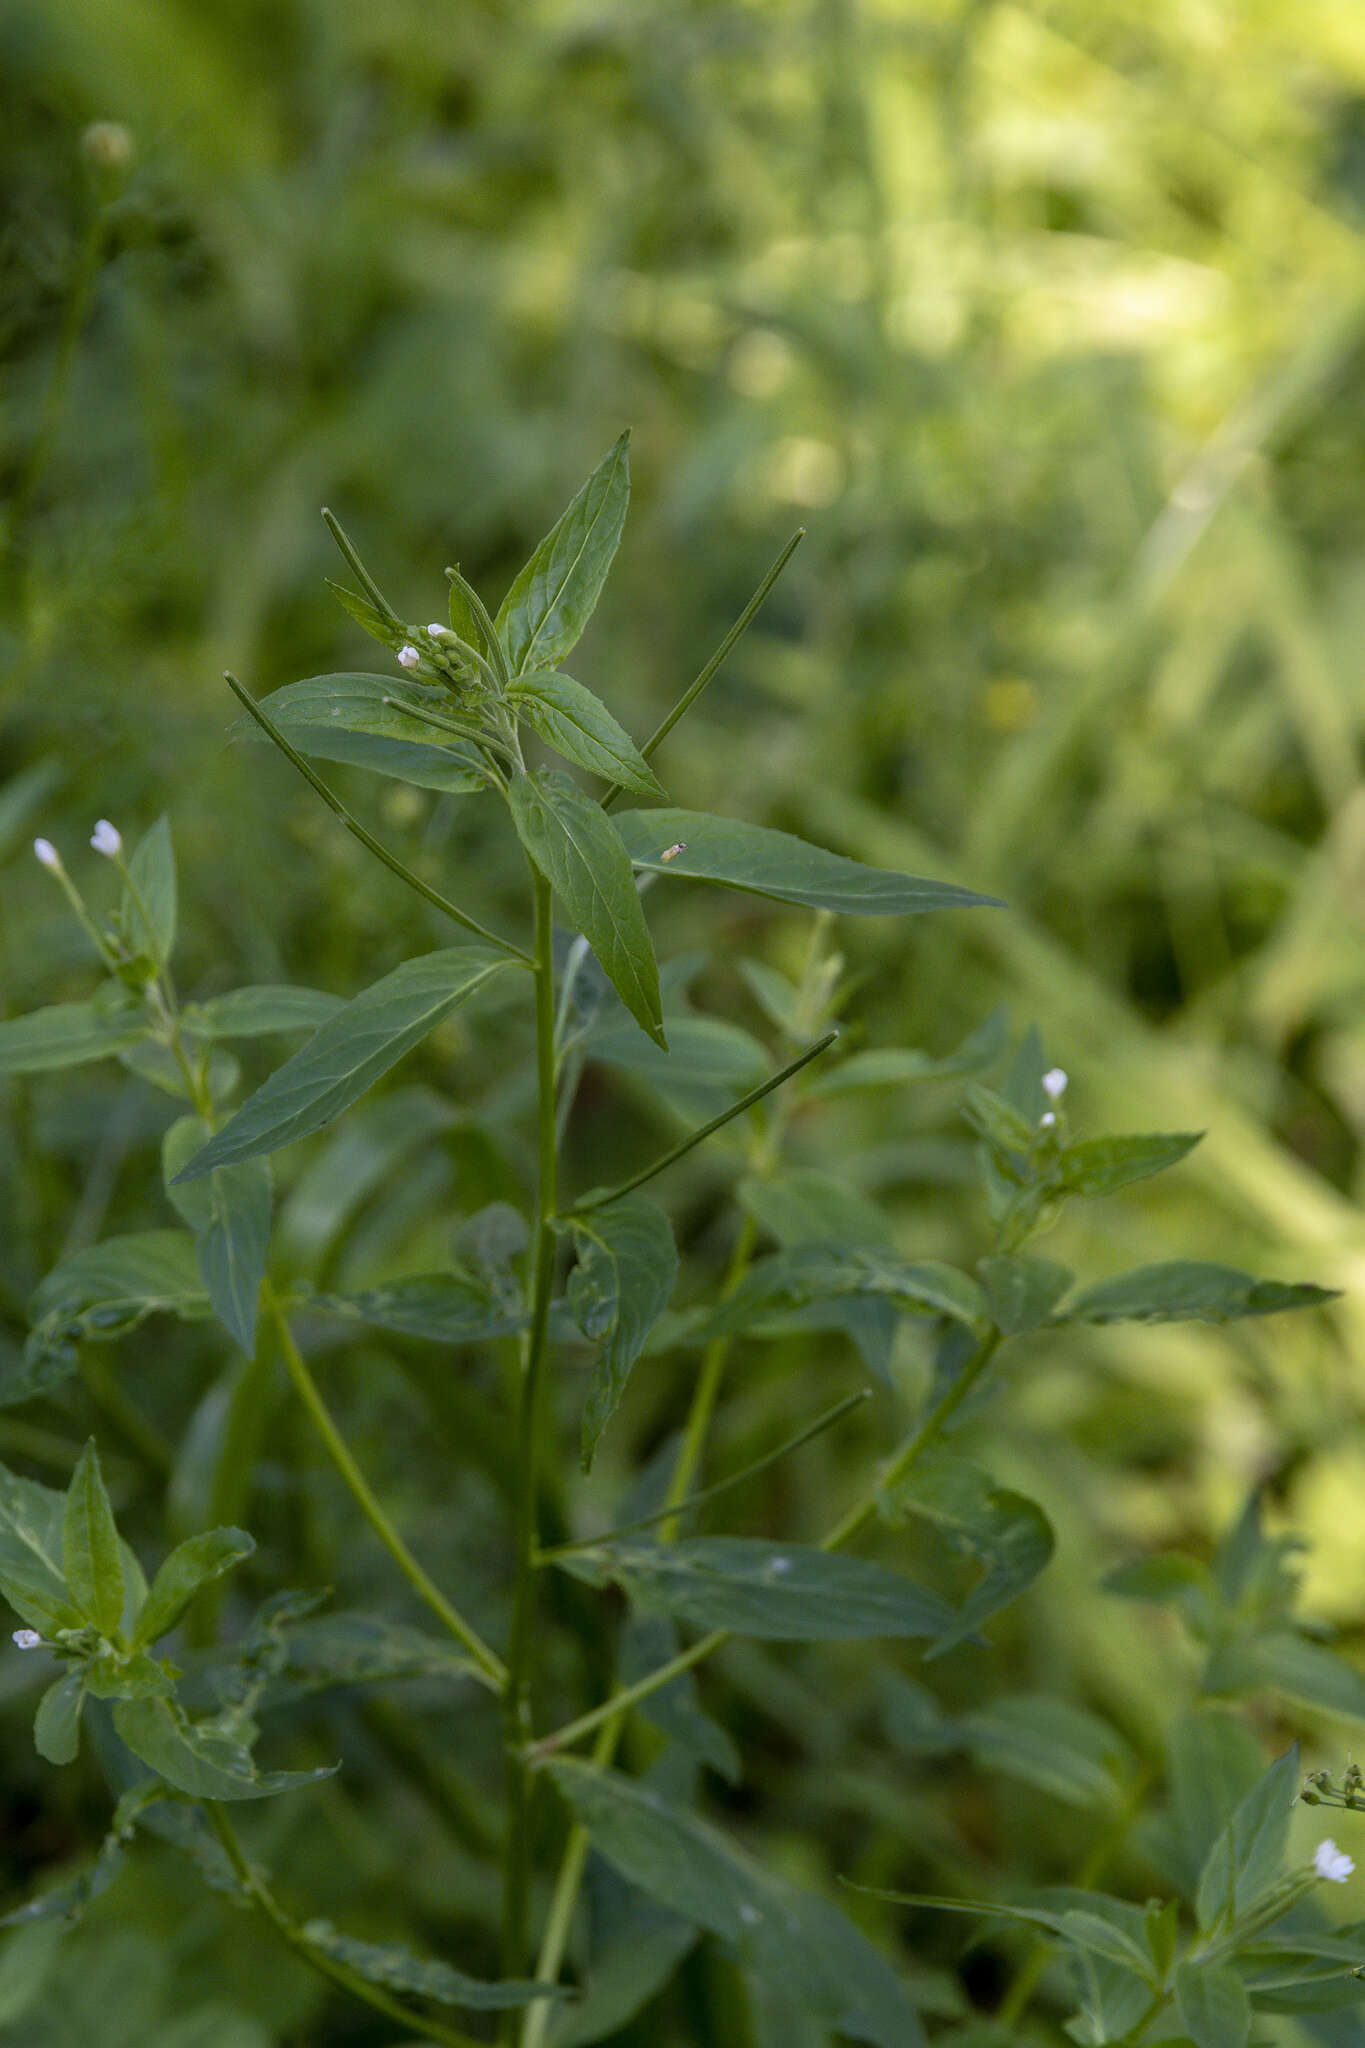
408	657
46	852
107	839
26	1639
1054	1084
1331	1862
1047	1119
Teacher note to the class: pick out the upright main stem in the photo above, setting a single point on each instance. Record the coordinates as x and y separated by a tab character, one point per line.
521	1653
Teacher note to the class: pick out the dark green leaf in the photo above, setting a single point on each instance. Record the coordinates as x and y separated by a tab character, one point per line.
399	1970
578	849
579	726
707	1063
631	1969
107	1290
1215	1761
788	1936
359	1649
57	1723
1023	1291
1186	1290
768	863
347	1055
1011	1535
192	1564
255	1012
1213	2005
554	596
92	1564
149	895
445	1308
360	719
1067	1752
777	1592
31	1554
1248	1856
647	1643
229	1213
68	1902
26	1962
816	1272
627	1264
196	1758
365	615
1100	1166
69	1034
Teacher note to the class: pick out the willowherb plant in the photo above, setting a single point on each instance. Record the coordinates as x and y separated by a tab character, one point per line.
597	1268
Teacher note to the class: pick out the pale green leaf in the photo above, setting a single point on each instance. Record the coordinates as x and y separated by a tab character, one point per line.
360	719
256	1012
1248	1856
92	1564
767	863
814	1272
1061	1748
57	1723
578	849
1187	1290
348	1054
554	596
1213	2004
579	726
1100	1166
192	1564
69	1034
149	895
196	1758
896	1066
1022	1290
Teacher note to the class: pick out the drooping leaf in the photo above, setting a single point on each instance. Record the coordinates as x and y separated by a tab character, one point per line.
192	1564
1010	1534
627	1264
579	726
578	849
359	1649
1023	1290
348	1054
92	1564
1213	2005
1248	1856
554	596
359	719
399	1970
149	895
229	1213
782	1934
1187	1290
256	1012
767	863
1100	1166
445	1308
69	1034
777	1592
815	1272
197	1758
57	1723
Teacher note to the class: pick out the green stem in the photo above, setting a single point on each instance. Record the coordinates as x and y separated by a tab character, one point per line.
521	1654
601	1196
367	839
691	694
838	1536
559	1921
490	1665
255	1889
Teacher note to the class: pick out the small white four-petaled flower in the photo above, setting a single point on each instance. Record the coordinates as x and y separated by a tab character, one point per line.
26	1639
1054	1083
1331	1862
46	852
107	839
408	657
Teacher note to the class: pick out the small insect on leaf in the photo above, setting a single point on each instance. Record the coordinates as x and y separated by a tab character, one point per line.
672	852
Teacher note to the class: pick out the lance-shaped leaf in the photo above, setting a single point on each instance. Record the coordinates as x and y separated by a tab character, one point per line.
1247	1859
1100	1166
149	895
1213	2004
257	1012
1187	1290
779	1592
193	1564
787	1936
627	1264
768	863
1023	1291
579	726
444	1308
1062	1749
351	718
229	1213
57	1723
578	849
31	1577
347	1055
399	1970
197	1758
821	1272
554	596
358	1649
1281	1660
107	1290
92	1564
69	1034
1011	1535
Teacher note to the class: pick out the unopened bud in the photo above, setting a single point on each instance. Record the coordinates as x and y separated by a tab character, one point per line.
1047	1120
408	657
108	146
46	852
1054	1084
107	839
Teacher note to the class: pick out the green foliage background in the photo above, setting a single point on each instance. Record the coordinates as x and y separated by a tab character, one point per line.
1048	321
